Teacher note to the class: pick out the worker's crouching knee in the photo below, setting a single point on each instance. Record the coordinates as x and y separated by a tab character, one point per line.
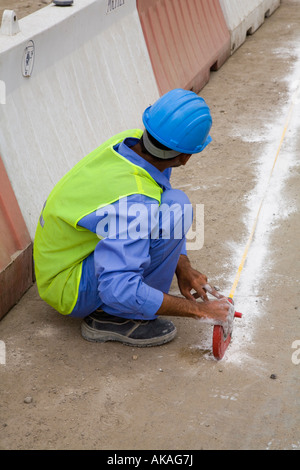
175	214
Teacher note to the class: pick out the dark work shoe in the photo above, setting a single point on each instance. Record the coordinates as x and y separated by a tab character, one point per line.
101	327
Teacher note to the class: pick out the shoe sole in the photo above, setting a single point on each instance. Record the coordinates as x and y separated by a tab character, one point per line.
91	335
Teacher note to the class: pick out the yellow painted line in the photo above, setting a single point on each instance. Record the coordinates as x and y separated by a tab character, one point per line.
240	268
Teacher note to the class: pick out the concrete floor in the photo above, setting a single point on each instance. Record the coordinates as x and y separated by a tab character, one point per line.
58	391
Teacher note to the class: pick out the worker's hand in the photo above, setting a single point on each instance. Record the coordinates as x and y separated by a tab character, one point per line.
190	279
217	312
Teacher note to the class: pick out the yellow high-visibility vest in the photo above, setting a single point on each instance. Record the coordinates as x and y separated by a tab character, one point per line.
60	245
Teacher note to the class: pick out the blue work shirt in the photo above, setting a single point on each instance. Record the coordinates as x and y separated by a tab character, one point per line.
113	275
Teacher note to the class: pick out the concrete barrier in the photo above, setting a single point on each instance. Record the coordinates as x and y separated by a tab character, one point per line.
245	17
72	77
15	248
185	40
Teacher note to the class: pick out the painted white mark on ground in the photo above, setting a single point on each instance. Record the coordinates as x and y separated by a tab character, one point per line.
273	210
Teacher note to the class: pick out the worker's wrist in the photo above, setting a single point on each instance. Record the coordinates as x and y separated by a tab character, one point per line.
183	263
176	306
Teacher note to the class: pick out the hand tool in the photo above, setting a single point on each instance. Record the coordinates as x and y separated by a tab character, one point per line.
222	335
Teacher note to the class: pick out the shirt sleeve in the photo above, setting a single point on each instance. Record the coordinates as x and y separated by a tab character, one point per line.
183	250
119	266
120	260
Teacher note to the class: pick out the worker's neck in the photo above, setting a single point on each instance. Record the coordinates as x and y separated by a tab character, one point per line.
160	165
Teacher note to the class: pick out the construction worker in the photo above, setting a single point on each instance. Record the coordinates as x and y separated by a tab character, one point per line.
104	249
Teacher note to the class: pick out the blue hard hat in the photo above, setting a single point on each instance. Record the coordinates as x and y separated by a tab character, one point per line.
180	120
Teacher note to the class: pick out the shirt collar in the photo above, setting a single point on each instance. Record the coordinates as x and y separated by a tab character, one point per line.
124	149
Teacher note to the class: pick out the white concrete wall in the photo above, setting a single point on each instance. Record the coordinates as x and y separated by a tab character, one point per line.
91	78
245	16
